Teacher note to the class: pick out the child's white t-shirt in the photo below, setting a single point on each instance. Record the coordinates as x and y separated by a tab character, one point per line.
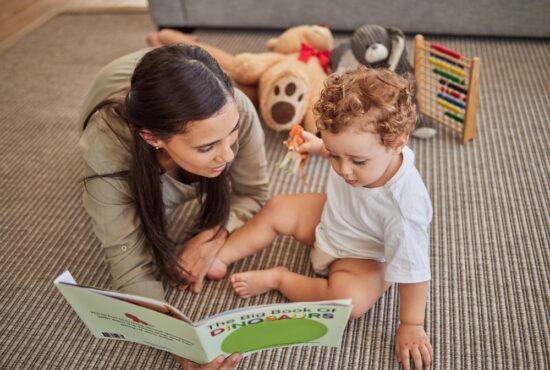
389	223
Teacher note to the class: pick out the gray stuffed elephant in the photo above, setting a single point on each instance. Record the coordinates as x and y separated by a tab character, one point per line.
373	46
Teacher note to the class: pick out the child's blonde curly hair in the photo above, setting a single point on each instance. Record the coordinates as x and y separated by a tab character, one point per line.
378	99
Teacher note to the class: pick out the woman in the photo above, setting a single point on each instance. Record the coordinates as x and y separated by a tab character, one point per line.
155	135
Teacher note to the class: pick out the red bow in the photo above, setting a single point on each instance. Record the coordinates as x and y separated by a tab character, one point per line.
308	52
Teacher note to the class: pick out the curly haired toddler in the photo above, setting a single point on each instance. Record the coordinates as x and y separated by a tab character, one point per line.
371	227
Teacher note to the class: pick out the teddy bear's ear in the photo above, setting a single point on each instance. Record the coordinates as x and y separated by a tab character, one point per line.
342	58
319	37
397	47
287	42
290	41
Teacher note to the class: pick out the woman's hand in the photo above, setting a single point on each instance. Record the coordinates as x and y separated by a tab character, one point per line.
219	363
412	341
198	254
312	145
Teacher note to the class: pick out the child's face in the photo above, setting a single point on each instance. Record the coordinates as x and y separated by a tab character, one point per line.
360	157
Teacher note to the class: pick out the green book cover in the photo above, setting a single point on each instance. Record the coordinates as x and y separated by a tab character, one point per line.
120	316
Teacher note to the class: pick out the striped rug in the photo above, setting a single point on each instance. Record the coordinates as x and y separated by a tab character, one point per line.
490	245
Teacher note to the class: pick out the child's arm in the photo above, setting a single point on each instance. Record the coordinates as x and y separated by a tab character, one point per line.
313	145
411	339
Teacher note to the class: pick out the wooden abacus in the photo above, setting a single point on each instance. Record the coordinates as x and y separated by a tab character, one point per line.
448	85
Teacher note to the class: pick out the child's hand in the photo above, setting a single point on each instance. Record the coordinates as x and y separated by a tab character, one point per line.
412	341
312	145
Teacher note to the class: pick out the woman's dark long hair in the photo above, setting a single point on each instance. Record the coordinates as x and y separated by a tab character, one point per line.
171	86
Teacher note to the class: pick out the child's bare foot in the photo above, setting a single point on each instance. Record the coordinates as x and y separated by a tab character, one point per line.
217	270
251	283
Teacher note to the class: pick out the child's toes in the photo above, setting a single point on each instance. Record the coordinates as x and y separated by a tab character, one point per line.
243	293
240	286
237	283
236	278
241	289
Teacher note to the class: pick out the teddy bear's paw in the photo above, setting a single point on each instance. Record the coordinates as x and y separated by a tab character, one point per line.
287	102
247	68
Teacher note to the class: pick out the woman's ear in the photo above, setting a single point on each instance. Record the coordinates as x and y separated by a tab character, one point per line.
150	139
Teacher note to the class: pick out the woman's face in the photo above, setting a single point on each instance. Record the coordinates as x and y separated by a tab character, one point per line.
204	148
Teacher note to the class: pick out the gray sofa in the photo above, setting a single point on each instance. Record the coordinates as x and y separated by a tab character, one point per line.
526	18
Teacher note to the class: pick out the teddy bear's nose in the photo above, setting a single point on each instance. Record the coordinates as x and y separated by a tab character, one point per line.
282	112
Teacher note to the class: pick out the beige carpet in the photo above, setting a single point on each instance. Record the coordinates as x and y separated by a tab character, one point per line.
490	256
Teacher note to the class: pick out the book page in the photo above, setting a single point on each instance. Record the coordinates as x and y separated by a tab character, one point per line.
112	318
150	303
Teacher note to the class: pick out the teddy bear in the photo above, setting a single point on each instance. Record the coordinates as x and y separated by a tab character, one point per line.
290	77
378	47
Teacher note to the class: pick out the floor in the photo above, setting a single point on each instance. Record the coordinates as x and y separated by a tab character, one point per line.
490	246
18	17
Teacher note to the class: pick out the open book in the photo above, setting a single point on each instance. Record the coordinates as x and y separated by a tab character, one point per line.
120	316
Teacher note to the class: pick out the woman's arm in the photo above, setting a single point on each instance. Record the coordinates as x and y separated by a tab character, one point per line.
249	183
116	224
248	172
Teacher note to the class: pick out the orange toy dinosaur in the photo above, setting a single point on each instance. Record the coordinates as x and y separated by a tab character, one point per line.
293	158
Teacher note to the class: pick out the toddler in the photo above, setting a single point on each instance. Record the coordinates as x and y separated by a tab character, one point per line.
370	229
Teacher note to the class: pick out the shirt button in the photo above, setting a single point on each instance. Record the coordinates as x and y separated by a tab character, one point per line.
124	248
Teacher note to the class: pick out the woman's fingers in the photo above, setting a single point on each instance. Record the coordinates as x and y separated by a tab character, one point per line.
196	287
205	235
221	363
198	254
216	364
186	364
231	361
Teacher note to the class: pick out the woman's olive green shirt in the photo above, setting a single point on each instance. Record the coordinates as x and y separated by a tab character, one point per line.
109	201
